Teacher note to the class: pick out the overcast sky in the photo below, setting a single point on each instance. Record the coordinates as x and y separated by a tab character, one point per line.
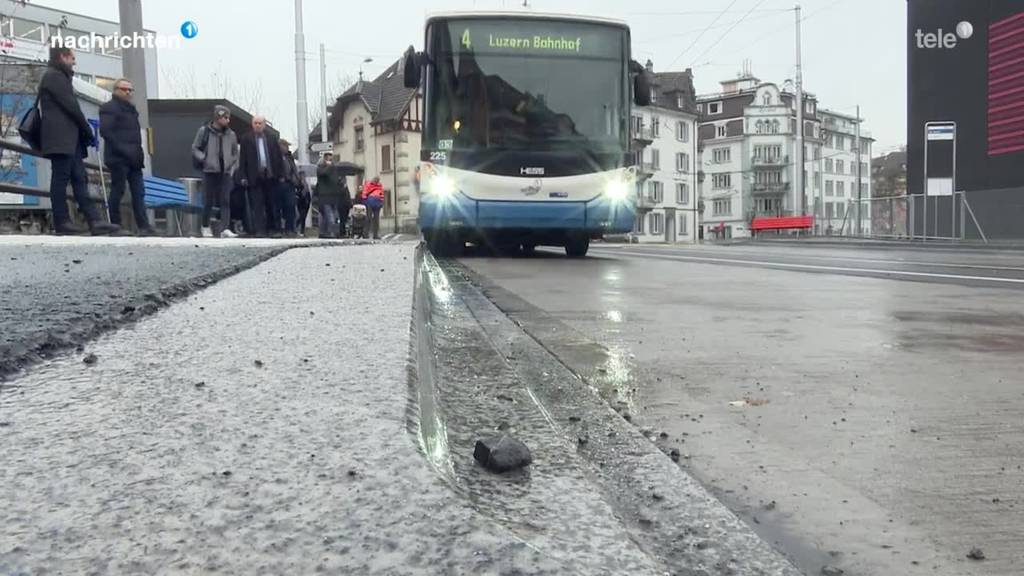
854	51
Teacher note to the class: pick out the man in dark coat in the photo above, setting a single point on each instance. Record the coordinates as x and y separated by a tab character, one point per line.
284	204
332	196
65	136
123	155
262	170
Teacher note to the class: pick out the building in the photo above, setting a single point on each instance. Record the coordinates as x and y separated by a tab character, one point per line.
965	62
747	143
25	32
377	126
838	168
665	148
889	175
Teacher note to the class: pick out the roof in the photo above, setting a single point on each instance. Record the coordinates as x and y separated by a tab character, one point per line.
524	14
200	106
669	84
386	97
891	163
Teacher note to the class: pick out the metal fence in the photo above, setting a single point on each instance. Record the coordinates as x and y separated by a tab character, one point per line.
949	218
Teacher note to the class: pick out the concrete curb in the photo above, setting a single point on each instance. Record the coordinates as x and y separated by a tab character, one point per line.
673	519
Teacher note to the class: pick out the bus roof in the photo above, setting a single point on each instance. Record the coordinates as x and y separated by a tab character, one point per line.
532	15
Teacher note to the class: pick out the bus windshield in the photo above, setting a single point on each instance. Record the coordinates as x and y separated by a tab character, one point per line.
500	85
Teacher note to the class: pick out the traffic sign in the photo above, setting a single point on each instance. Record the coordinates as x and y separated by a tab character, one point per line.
322	147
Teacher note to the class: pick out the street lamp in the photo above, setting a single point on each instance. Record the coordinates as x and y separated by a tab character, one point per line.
366	60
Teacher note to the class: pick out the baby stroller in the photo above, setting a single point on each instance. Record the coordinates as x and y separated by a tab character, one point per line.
357	227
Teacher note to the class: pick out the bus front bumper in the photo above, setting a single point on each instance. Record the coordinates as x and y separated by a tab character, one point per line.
596	217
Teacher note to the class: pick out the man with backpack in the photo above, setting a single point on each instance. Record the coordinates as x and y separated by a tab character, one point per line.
215	154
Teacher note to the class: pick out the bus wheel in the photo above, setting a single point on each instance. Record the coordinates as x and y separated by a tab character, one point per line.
577	246
529	249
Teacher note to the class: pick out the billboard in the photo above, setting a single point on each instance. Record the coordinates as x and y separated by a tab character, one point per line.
966	66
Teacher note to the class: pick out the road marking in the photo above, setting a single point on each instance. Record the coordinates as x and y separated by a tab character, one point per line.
856	259
822	268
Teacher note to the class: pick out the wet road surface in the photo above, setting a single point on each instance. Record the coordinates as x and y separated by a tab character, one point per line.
854	414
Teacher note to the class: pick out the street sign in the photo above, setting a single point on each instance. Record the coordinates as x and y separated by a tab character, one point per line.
322	146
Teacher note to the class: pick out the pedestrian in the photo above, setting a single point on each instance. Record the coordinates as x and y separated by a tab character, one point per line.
303	200
285	204
215	153
261	166
373	198
331	194
123	155
65	135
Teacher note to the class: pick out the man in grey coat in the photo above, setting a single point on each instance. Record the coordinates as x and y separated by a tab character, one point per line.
215	153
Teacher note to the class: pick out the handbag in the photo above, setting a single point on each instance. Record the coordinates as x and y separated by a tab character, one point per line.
30	128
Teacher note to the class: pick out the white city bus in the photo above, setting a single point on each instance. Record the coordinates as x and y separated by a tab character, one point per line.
526	130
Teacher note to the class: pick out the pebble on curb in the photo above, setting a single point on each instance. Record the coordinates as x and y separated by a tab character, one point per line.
502	453
976	554
90	359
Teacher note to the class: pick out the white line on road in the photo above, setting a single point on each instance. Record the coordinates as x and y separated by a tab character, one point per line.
858	259
817	267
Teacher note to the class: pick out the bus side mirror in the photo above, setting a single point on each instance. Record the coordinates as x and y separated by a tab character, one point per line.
411	69
642	89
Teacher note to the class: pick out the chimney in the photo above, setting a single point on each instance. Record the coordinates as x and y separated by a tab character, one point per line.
649	65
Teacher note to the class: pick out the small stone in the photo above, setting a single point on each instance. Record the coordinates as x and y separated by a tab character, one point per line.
674	455
657	496
976	554
258	363
226	473
90	359
830	570
582	440
647	432
645	522
913	430
627	416
128	309
200	385
502	453
574	418
5	424
76	261
507	398
996	500
770	506
352	473
663	435
328	264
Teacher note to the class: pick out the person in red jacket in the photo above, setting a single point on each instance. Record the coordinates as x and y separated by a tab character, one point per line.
373	198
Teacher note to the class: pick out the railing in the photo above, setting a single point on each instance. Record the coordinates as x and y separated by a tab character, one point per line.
12	188
649	167
780	161
644	133
776	188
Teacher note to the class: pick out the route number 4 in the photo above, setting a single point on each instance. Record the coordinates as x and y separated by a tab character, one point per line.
465	39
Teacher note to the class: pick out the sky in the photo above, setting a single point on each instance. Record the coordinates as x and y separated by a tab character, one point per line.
854	51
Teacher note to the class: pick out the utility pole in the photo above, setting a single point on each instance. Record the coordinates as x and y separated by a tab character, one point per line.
301	117
856	145
323	94
799	205
133	58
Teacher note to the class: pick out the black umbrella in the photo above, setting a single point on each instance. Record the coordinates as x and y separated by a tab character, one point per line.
348	168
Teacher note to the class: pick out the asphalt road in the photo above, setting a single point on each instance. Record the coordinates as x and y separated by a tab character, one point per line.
859	408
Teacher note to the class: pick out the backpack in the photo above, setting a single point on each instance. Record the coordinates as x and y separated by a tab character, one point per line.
31	127
199	161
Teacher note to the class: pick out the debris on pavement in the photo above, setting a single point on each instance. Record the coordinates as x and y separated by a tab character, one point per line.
90	359
976	554
748	402
830	570
674	455
502	453
258	363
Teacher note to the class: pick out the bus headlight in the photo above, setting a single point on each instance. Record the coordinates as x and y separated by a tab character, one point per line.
443	186
616	190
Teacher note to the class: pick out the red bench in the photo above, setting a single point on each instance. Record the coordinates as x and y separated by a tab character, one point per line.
782	223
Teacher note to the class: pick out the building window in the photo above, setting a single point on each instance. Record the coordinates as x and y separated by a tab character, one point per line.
360	141
809	107
656	191
768	153
840	167
721	155
700	108
26	29
840	142
682	193
654	95
655	159
829	210
840	188
840	210
829	166
766	99
638	125
638	225
829	139
721	181
829	188
715	108
682	162
683	225
817	180
682	131
722	131
680	100
655	126
657	223
385	158
773	127
721	207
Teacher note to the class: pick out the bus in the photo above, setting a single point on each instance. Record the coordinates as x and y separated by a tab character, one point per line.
526	131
